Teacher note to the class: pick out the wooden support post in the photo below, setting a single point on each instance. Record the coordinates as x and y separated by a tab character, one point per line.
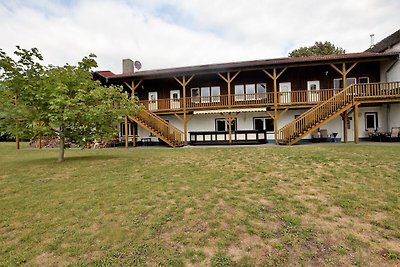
356	123
184	83
229	80
126	132
345	119
275	108
275	77
230	129
134	126
184	110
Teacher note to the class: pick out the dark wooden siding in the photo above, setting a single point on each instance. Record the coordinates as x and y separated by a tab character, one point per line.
297	76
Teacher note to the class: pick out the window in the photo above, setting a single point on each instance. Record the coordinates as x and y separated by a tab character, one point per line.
195	95
263	124
122	129
371	120
261	90
363	80
215	93
221	125
338	83
239	92
250	91
205	94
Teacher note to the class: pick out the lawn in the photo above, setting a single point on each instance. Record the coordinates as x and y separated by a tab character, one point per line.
311	205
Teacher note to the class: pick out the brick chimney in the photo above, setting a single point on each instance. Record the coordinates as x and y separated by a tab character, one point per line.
127	66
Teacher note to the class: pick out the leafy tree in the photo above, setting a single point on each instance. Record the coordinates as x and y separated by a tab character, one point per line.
64	101
318	49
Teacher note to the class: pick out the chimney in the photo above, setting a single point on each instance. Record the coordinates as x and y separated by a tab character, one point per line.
127	66
372	40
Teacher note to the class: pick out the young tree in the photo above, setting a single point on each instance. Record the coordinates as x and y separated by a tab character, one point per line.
67	102
18	82
318	49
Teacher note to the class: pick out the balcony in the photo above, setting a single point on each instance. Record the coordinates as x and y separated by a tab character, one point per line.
285	99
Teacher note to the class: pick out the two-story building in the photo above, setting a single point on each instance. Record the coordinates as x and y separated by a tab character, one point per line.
282	100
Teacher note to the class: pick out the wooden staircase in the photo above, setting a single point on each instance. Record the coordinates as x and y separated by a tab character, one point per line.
159	127
334	106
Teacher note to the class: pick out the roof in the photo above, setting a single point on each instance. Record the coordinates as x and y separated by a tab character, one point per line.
251	65
105	73
386	43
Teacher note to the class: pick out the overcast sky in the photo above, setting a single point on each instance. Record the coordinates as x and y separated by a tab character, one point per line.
163	34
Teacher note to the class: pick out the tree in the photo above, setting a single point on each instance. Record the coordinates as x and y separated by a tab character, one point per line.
65	101
18	78
318	49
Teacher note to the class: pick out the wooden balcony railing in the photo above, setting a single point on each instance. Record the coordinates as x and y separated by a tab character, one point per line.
241	100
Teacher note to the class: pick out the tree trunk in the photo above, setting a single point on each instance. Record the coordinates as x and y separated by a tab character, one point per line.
61	152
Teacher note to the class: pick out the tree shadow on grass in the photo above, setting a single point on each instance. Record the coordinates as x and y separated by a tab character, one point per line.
73	159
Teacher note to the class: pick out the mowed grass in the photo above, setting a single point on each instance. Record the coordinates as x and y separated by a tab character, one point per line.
310	205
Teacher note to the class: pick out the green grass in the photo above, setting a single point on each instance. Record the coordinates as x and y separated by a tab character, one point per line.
311	205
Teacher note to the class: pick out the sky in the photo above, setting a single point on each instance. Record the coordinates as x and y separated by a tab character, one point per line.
175	33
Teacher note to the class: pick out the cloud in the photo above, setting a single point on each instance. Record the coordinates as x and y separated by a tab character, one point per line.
174	33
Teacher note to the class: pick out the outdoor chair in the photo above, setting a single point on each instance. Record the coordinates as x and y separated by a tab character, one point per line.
394	134
315	137
323	135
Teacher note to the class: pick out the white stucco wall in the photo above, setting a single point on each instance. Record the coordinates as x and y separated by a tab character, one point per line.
388	116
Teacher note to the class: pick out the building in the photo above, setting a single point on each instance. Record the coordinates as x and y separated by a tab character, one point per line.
284	100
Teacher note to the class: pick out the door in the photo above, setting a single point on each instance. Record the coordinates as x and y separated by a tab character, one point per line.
313	91
175	101
350	129
153	101
285	92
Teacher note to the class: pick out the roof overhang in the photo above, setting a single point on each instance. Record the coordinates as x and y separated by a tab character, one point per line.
254	65
222	111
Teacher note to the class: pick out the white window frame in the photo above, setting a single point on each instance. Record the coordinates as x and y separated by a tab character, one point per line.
195	98
226	124
375	115
365	77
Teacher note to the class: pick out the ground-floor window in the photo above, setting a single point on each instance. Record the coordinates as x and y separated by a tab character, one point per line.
371	120
263	124
130	129
221	125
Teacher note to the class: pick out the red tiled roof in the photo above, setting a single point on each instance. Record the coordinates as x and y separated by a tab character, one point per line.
105	73
254	64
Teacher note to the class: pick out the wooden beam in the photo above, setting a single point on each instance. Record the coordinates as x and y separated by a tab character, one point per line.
222	76
179	117
349	69
134	126
337	69
269	74
280	73
270	114
179	81
356	123
228	75
130	87
188	81
283	112
345	118
234	76
275	107
126	133
135	86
